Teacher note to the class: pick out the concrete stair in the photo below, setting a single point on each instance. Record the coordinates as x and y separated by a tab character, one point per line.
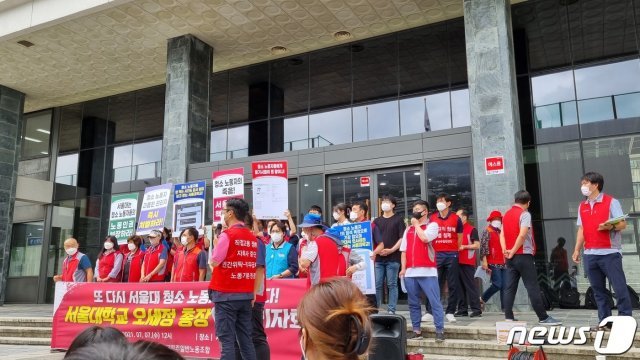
25	331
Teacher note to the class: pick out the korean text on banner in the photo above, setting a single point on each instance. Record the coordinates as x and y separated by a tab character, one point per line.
178	315
122	218
227	184
154	208
270	189
188	205
357	237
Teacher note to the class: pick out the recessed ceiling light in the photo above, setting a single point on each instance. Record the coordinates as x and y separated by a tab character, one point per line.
44	153
306	184
417	173
43	131
279	50
32	139
320	190
26	43
342	35
383	184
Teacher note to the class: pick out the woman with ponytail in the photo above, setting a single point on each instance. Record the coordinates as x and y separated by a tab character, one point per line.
334	322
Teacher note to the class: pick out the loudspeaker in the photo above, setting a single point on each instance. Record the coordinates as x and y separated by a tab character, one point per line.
389	333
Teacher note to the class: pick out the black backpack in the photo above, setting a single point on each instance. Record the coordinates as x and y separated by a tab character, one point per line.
590	299
635	299
569	298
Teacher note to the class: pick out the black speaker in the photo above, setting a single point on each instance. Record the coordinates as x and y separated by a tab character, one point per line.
389	333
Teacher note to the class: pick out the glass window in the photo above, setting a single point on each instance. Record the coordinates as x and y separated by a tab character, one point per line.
122	157
460	109
249	93
423	59
95	121
375	69
37	133
330	128
452	177
376	121
218	145
91	171
26	249
311	193
345	189
457	52
431	112
238	141
219	99
67	169
559	236
606	80
296	133
330	78
121	118
147	159
291	77
89	221
559	171
392	183
70	127
553	88
150	113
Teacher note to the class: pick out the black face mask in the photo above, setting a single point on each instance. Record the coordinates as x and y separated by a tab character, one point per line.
417	215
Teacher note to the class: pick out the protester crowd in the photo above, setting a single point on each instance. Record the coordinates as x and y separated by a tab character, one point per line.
435	251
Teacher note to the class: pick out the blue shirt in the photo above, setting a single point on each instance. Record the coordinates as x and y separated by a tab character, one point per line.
615	210
280	259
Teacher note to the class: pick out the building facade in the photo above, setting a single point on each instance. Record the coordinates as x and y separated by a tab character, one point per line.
551	86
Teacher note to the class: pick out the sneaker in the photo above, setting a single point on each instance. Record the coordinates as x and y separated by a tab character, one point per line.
412	335
427	318
461	313
475	314
550	321
391	312
450	318
439	337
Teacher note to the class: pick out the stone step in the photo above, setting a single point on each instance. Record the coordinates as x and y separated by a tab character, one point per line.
19	331
26	321
478	349
24	341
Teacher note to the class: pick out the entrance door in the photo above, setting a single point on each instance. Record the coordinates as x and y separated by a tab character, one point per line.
348	189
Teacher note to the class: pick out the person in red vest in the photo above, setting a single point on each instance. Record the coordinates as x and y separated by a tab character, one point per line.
447	246
419	269
233	279
190	261
76	267
602	242
109	262
132	263
467	259
493	258
323	256
154	265
519	248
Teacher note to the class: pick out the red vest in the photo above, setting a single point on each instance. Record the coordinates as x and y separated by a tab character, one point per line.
151	261
237	273
135	267
186	268
495	256
170	260
511	229
447	240
332	259
463	256
593	238
69	267
106	264
419	254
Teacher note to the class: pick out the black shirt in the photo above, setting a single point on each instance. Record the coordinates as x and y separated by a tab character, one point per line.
391	230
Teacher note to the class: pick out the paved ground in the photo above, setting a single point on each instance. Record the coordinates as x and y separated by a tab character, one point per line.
13	352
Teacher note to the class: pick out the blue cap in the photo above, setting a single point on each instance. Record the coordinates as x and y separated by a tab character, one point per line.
311	220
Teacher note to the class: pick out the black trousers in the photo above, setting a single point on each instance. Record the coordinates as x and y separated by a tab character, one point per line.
258	336
468	290
522	266
448	270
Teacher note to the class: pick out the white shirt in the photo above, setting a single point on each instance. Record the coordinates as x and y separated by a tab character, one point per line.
432	233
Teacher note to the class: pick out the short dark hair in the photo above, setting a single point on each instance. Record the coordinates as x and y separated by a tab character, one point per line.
96	335
391	199
136	239
240	209
316	208
191	231
444	196
111	238
362	205
280	225
343	207
522	197
464	213
594	178
421	202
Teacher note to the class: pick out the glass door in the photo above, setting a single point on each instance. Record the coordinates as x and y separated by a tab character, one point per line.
347	189
405	185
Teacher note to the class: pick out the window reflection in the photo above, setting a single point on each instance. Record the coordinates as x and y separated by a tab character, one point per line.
296	133
460	109
238	140
425	113
560	169
311	193
330	128
26	249
146	160
376	121
36	135
122	163
452	177
218	145
553	88
67	169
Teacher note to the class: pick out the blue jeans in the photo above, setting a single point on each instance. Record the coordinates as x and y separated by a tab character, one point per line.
430	287
599	268
233	320
497	284
390	270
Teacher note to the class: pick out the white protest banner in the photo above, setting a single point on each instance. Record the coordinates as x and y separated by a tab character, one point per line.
270	189
227	184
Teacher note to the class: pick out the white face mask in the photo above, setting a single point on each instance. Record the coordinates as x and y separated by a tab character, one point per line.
71	251
336	216
386	207
131	246
441	206
277	237
496	224
585	190
184	241
108	245
353	216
